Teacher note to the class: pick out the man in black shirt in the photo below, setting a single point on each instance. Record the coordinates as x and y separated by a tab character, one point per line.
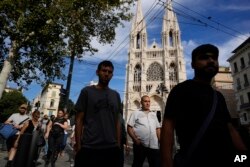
187	107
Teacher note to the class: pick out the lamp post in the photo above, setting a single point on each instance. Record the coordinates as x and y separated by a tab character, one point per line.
161	89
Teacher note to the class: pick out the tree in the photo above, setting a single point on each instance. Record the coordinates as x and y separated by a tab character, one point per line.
10	102
35	35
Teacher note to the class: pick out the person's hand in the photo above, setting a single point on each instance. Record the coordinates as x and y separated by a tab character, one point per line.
127	150
137	141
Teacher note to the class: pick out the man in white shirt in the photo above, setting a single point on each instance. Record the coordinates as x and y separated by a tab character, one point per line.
16	119
144	129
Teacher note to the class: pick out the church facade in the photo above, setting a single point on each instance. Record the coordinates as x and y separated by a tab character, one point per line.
153	69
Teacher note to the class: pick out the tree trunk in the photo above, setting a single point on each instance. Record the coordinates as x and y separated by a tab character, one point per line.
7	67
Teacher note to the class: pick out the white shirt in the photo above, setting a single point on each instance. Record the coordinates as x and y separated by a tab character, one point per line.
145	125
17	118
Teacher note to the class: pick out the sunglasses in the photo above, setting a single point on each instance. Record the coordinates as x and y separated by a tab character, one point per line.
24	108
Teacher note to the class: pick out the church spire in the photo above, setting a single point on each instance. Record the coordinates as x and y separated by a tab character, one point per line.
170	27
138	30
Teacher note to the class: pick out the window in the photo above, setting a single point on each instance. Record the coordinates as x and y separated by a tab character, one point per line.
137	73
242	63
172	73
235	67
148	87
155	72
248	96
246	83
245	117
138	41
53	94
52	103
249	58
171	40
238	84
241	99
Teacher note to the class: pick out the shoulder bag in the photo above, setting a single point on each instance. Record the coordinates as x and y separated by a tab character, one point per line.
8	130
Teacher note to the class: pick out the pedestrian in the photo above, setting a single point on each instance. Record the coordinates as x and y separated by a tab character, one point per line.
55	135
144	129
199	116
44	122
63	145
97	122
18	120
52	117
23	141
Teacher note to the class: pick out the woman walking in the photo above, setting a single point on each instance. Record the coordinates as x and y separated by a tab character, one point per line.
55	135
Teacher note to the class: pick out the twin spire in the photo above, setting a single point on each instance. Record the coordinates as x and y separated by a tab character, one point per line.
169	27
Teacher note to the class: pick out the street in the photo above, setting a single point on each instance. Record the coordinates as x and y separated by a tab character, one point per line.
63	161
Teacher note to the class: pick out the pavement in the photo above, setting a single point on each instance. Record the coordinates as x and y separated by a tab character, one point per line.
62	161
66	160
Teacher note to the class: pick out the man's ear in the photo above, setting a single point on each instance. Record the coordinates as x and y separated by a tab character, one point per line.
96	72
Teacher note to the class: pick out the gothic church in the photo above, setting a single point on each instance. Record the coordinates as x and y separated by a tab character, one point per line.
153	70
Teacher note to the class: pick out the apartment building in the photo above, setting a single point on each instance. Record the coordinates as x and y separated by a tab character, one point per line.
48	101
240	65
223	82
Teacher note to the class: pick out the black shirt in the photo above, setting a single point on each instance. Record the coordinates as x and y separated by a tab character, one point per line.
189	104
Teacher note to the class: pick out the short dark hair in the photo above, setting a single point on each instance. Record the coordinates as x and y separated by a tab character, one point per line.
105	63
203	49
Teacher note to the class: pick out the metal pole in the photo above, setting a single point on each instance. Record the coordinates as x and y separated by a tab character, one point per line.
71	65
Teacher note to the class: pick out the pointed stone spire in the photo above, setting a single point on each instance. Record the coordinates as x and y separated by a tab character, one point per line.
170	25
138	30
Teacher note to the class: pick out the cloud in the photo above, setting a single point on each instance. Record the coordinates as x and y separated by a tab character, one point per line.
227	48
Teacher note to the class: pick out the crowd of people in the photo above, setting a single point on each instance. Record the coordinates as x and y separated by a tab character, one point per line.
54	131
195	113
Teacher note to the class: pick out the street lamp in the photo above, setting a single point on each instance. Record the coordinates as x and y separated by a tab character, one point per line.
161	89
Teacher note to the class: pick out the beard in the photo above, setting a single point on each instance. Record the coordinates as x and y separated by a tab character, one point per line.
207	72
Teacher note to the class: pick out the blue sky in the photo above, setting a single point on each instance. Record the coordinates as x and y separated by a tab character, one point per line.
224	23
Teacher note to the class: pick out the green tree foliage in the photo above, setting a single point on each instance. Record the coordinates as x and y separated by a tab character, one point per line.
35	35
35	42
10	102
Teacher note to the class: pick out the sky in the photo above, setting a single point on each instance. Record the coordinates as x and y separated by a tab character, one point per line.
224	23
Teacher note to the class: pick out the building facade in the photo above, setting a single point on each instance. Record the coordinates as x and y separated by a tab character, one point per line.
155	69
48	101
240	64
223	82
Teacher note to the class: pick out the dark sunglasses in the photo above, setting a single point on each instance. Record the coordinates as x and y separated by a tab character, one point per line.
24	108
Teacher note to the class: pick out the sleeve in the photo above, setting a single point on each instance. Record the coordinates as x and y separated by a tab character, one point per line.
157	122
11	117
81	104
131	121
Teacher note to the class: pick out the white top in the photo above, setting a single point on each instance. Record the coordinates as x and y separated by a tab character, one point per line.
66	130
145	125
16	118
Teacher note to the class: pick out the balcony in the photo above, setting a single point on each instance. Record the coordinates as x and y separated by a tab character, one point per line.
245	106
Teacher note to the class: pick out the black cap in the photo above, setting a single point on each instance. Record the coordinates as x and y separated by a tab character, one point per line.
203	49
